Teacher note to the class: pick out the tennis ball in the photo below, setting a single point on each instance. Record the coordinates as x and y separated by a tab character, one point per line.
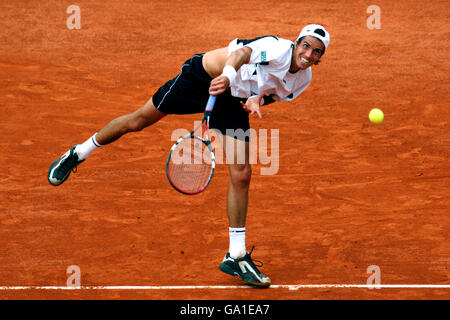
376	115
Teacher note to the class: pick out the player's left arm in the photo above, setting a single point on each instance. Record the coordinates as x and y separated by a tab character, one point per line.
252	105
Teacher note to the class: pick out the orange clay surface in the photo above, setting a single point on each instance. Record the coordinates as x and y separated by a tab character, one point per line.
348	193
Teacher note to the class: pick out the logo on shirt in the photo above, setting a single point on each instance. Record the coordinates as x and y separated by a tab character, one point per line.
263	56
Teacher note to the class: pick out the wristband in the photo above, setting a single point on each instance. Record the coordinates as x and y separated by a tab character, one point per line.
230	73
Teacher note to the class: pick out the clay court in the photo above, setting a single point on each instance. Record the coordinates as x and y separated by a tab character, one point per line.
348	193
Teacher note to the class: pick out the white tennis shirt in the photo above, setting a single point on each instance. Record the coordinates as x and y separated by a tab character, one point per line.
268	70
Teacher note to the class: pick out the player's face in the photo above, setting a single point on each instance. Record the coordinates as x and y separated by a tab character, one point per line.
306	53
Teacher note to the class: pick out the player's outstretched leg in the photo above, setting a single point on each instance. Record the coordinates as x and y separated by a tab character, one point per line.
145	116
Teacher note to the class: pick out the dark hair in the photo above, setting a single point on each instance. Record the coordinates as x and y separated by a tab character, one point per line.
320	32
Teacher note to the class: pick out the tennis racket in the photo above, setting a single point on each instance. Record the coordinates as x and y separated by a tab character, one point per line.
191	162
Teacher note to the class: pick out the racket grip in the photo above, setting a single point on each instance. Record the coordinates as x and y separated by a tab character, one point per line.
210	103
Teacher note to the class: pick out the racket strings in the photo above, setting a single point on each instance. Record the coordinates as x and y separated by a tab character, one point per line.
190	165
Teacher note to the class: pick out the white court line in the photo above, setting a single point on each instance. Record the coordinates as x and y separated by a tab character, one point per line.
274	286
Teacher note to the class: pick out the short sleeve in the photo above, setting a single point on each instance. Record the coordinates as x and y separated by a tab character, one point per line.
264	49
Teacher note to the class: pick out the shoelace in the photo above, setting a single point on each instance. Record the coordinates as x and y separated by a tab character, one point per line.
71	161
260	264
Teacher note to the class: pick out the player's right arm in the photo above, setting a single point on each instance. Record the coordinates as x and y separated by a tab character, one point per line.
216	63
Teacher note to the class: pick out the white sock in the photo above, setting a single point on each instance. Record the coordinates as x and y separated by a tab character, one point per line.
237	242
84	150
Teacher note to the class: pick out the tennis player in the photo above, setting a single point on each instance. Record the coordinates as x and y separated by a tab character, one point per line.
244	76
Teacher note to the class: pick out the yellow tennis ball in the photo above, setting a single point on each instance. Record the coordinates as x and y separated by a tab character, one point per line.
376	115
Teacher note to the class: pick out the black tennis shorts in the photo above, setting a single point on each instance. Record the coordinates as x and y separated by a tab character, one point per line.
188	93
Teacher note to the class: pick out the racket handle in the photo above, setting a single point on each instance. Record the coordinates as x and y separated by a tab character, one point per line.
210	104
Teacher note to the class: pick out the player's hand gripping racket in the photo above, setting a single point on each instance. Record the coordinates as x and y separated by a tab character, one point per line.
190	165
